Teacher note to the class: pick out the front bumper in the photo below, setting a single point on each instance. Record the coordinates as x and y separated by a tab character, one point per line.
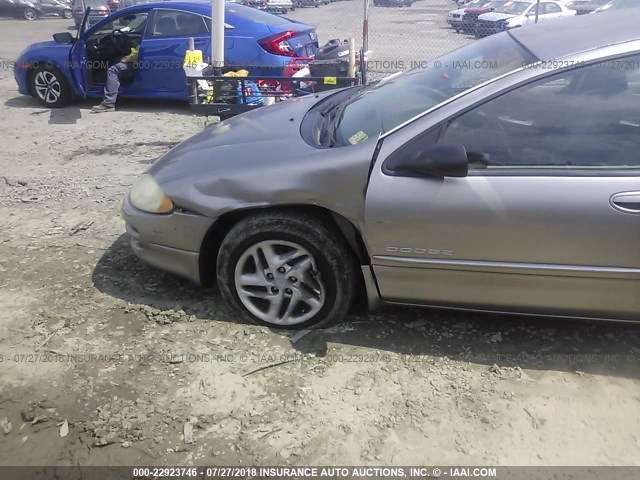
170	242
21	74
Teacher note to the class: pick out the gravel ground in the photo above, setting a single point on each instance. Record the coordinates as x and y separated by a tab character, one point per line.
134	360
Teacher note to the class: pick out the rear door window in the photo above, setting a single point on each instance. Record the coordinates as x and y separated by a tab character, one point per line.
548	7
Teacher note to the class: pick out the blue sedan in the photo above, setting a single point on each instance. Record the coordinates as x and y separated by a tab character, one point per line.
67	68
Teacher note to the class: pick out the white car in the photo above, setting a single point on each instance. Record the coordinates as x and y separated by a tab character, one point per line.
454	18
519	13
283	6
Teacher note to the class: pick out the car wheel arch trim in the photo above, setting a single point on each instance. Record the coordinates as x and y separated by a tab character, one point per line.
33	65
335	265
219	229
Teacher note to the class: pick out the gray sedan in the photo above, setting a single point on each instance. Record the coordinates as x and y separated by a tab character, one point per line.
505	178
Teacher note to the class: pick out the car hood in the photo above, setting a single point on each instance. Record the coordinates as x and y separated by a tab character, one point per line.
49	45
459	11
496	16
260	159
49	51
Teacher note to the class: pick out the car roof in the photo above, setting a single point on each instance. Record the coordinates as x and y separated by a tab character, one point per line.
173	3
198	4
573	35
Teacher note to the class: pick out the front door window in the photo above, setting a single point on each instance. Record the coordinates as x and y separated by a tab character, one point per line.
585	118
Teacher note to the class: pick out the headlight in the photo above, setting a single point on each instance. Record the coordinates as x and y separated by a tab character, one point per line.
146	195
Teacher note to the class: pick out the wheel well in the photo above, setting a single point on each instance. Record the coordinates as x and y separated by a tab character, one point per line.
32	71
219	230
39	65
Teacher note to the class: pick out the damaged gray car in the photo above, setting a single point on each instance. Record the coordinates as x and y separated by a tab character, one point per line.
505	177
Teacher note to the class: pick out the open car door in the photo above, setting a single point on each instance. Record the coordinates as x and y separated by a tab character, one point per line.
78	56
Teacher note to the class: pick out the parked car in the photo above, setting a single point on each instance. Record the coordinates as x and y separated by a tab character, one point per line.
393	3
281	6
18	8
259	4
500	189
55	8
56	72
519	13
99	10
454	17
583	7
131	3
617	5
469	23
307	3
33	9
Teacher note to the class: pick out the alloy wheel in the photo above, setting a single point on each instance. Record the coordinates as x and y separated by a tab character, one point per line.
279	282
30	14
47	86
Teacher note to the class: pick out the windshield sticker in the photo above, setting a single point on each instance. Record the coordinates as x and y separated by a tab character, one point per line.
358	137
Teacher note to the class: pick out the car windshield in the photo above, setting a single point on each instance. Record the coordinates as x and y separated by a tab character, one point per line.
381	107
514	8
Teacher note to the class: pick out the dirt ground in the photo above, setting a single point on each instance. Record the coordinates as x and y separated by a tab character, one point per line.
127	355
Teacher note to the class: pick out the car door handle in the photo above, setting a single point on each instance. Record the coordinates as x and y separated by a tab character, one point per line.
628	202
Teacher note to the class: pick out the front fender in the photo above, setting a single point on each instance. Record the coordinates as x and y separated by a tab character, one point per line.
57	58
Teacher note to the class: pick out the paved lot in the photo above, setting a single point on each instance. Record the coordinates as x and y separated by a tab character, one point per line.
127	354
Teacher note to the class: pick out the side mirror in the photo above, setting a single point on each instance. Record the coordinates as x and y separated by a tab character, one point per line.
63	38
434	160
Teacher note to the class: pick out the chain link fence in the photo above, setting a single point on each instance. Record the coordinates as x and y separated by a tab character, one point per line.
402	34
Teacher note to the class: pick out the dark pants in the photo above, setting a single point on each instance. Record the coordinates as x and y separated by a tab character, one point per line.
113	83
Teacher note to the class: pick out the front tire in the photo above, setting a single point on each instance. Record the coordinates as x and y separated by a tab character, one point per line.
286	271
29	14
67	14
49	87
